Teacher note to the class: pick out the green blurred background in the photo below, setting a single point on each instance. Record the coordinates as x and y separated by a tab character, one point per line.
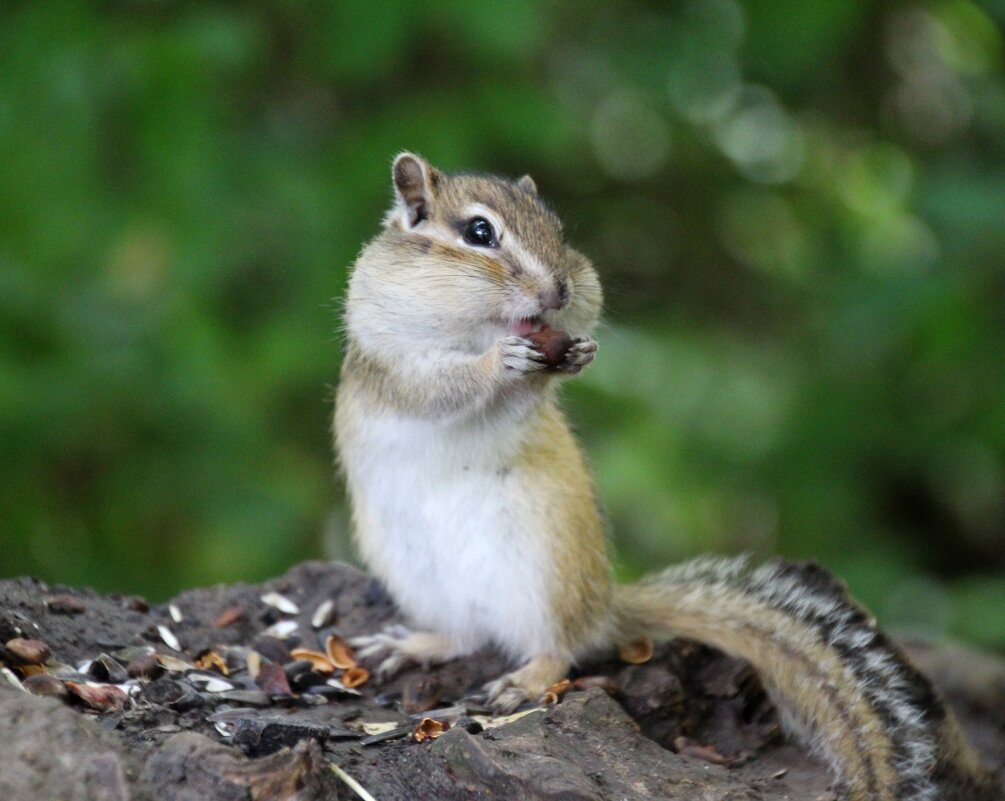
798	210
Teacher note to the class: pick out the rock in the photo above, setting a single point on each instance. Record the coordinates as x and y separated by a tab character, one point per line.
167	737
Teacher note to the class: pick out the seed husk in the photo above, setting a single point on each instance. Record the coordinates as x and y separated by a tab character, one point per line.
429	729
107	669
211	660
272	649
319	662
636	652
340	653
173	663
272	679
555	692
355	677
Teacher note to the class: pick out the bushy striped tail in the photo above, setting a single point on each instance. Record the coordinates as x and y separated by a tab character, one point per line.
840	685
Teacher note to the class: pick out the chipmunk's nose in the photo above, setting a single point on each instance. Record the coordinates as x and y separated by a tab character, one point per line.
556	298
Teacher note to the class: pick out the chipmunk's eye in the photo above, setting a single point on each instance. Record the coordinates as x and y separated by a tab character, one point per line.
479	232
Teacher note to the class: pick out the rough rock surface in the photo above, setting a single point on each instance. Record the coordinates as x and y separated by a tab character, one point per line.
688	724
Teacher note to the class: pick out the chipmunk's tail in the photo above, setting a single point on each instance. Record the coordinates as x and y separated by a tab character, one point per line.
841	686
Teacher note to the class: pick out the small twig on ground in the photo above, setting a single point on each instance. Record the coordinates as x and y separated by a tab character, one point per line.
354	785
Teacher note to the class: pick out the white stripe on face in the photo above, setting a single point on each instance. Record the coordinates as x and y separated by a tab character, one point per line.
508	240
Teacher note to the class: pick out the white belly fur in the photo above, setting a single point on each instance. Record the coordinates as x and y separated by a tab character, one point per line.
443	520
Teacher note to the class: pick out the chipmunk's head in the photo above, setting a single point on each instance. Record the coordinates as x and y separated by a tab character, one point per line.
481	251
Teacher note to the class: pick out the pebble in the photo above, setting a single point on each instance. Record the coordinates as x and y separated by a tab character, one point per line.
64	605
144	666
27	652
45	685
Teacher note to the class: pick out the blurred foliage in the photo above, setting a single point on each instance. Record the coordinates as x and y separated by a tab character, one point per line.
798	211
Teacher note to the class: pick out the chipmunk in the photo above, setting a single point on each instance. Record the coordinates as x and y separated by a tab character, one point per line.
474	504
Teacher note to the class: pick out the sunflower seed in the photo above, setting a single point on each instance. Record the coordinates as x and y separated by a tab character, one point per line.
169	639
324	615
282	629
281	602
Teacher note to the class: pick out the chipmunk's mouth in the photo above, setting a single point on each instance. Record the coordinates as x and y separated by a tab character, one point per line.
524	325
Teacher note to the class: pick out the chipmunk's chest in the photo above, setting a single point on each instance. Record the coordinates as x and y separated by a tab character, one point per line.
442	518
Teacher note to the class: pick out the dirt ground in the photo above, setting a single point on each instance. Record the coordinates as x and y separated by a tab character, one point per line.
246	692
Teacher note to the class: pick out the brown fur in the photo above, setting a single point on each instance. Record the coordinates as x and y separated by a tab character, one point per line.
427	321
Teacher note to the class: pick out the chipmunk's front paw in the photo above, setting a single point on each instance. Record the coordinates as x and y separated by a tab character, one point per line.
580	353
520	355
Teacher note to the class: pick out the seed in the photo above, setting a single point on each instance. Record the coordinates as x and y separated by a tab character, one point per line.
254	663
281	602
324	615
169	639
209	682
175	613
11	678
282	629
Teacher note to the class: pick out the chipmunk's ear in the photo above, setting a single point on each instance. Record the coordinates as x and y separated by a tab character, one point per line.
415	183
527	185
